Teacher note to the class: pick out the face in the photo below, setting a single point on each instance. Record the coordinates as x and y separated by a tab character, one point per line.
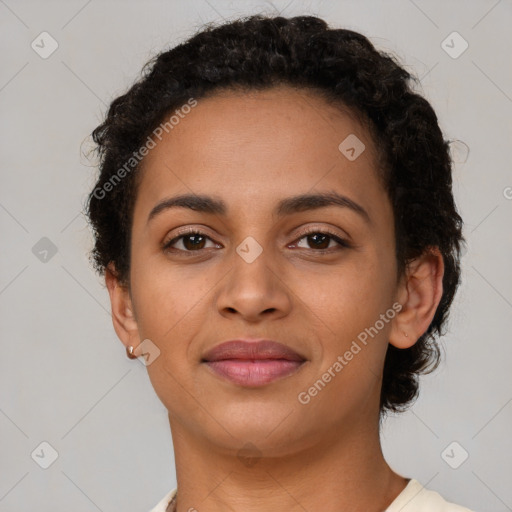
311	275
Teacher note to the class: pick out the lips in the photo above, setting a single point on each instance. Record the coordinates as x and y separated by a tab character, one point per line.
253	363
261	349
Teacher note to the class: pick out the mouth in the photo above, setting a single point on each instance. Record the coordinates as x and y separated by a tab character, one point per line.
253	363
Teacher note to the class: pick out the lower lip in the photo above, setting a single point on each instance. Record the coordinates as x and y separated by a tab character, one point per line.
253	373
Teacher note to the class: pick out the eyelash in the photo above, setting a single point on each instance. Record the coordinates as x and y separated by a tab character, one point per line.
343	244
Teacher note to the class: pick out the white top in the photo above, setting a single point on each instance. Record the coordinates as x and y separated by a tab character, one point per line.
414	498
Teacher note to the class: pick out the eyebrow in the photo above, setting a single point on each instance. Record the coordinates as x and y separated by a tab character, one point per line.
287	206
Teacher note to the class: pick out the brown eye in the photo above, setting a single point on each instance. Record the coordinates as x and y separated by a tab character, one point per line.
190	242
321	240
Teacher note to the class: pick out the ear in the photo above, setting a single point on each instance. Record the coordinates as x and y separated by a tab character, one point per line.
419	293
123	317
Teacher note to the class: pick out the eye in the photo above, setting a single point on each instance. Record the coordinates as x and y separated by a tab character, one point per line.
319	241
191	241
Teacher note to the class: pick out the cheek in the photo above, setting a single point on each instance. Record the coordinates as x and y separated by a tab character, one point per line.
345	296
343	306
350	345
165	296
170	308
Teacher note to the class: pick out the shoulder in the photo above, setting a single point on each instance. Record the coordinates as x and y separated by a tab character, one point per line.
416	498
162	505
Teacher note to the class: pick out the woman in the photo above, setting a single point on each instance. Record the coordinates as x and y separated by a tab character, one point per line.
276	226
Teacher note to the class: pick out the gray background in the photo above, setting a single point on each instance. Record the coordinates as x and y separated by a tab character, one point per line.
64	377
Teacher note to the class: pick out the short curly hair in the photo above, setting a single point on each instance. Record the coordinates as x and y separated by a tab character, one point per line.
258	52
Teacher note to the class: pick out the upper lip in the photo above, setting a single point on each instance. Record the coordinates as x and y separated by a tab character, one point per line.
251	349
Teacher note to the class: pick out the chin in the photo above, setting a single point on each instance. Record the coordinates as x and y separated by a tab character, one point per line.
271	427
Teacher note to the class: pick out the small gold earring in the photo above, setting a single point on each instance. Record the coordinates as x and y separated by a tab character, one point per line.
129	352
406	335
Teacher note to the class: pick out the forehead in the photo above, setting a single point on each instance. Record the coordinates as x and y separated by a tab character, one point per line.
249	145
278	118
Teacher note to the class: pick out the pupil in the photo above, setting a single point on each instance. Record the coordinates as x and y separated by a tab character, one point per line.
194	244
324	237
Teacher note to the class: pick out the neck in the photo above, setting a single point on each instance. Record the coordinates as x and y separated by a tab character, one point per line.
345	472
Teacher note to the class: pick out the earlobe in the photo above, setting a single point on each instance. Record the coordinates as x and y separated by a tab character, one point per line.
123	317
419	293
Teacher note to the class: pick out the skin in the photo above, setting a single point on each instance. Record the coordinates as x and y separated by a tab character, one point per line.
251	151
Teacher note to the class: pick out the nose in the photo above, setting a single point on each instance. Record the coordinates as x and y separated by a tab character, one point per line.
255	289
